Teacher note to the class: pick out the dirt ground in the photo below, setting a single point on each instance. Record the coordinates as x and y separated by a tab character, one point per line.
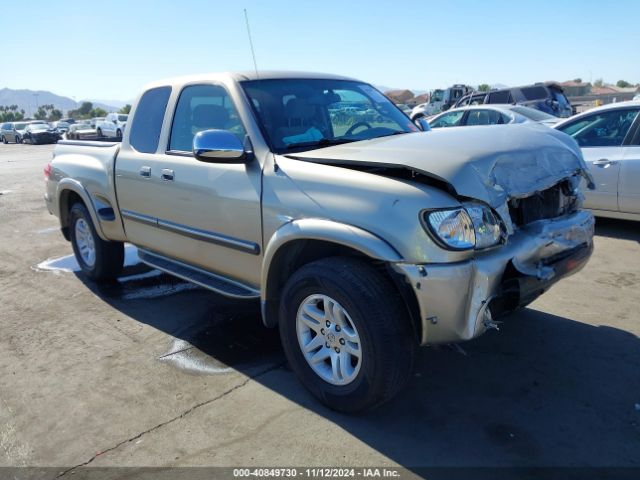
154	372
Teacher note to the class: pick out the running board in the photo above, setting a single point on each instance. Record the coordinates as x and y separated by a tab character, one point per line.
208	280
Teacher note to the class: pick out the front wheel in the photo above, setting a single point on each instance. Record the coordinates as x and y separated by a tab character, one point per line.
99	260
99	133
346	333
119	135
4	140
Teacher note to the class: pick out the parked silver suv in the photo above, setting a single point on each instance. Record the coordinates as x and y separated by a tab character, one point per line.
13	132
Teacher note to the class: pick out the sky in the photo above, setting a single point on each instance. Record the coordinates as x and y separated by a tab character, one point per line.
110	49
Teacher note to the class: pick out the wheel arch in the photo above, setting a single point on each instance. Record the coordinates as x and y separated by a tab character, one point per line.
303	241
69	192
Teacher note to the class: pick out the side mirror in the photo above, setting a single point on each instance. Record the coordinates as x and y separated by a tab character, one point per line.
219	146
423	124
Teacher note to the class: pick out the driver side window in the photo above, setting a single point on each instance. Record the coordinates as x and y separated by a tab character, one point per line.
203	107
604	129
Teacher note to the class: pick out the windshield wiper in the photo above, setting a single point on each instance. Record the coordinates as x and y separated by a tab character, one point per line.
324	142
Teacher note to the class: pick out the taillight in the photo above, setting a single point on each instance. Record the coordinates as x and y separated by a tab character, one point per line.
47	171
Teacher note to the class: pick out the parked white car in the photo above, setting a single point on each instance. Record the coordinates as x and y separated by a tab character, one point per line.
474	115
112	126
609	137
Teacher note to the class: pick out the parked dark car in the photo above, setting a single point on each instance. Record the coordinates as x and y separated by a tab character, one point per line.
12	132
37	133
546	97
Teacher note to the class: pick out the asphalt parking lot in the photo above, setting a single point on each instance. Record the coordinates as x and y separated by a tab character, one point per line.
154	372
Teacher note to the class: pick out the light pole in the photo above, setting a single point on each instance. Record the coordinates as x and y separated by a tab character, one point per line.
37	106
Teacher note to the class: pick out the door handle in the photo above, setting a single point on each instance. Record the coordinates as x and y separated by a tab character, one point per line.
604	162
167	174
145	171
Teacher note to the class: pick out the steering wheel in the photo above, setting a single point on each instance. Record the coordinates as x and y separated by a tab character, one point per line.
356	125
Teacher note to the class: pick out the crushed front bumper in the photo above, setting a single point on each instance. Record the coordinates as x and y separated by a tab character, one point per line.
457	300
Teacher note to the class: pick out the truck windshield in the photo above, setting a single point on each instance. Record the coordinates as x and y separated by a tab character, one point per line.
437	96
303	114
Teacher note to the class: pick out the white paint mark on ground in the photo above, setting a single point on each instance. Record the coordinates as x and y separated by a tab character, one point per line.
45	231
130	255
69	264
188	358
58	265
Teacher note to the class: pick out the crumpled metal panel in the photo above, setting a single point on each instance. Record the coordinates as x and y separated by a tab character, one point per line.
485	163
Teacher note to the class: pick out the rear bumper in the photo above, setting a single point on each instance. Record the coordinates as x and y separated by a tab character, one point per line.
457	301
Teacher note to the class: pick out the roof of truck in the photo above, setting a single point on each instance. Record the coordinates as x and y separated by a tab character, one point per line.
240	76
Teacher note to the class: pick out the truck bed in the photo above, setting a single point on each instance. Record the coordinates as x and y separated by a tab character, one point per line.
87	169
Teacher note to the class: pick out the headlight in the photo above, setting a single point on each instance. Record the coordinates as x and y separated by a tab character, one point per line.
486	225
474	226
454	228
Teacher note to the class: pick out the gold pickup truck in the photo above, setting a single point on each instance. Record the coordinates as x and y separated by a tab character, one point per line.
362	235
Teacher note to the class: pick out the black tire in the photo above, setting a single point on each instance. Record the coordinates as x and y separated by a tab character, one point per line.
19	140
4	140
99	133
380	318
119	134
109	256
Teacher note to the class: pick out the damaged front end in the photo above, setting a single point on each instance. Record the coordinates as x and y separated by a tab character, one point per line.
517	228
459	301
547	237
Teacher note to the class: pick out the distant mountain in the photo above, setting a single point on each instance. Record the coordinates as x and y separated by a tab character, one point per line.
100	102
29	100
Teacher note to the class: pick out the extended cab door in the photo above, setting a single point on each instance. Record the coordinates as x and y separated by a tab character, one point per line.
203	214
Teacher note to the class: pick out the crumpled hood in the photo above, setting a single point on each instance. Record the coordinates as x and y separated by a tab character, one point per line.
488	163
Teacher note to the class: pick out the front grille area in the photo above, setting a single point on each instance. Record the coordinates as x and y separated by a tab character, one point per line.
553	202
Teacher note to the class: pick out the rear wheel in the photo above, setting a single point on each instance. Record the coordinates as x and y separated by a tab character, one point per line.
346	333
99	260
119	134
